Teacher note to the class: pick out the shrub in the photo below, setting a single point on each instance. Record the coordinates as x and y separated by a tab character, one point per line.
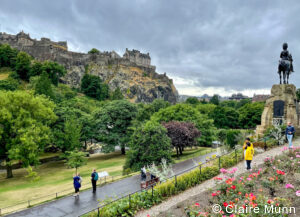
9	84
231	137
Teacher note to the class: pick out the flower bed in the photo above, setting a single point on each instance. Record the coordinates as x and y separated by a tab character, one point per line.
262	192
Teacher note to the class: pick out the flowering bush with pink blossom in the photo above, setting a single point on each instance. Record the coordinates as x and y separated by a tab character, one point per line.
268	186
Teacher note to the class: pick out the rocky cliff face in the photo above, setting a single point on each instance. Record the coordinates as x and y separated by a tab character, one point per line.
132	73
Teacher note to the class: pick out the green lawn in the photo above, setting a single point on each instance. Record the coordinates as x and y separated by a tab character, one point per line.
56	177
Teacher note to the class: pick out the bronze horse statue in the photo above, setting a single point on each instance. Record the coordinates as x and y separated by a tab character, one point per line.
285	67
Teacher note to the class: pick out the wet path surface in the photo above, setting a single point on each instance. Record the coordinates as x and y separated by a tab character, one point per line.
75	206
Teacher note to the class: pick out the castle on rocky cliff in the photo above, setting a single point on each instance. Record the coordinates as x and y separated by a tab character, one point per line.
46	49
132	73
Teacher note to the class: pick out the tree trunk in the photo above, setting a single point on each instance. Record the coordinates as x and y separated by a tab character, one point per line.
180	150
85	145
123	150
9	173
177	152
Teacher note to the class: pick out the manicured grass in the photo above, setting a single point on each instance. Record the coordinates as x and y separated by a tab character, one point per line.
56	177
3	76
191	153
4	73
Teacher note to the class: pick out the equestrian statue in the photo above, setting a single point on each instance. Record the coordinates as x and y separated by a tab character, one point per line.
285	67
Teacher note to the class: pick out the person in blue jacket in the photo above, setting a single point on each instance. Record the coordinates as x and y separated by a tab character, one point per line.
77	184
290	131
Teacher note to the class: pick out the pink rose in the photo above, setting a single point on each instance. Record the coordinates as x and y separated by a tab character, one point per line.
289	186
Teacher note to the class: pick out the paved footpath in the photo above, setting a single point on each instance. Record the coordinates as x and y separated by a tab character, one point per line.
71	206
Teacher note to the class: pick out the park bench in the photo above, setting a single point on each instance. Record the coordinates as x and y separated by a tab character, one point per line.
149	182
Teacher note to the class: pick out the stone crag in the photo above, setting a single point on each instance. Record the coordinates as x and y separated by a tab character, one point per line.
132	73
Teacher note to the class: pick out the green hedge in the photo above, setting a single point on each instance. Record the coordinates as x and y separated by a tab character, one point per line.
145	200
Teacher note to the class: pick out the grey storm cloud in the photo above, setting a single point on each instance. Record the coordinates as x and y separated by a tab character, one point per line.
234	45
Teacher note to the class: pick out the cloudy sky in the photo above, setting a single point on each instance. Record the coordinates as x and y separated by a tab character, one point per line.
208	46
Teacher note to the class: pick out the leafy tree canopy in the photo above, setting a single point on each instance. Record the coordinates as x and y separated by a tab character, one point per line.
94	51
92	86
250	114
215	99
182	134
192	101
24	126
112	124
185	112
149	143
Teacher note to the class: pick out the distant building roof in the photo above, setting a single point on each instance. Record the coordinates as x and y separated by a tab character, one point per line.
238	96
260	98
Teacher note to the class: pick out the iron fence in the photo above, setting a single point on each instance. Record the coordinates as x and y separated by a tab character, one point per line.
200	166
53	196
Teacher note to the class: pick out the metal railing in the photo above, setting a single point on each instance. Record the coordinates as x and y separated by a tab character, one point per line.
46	198
35	201
200	166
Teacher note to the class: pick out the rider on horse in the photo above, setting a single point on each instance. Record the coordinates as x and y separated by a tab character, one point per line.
285	66
286	56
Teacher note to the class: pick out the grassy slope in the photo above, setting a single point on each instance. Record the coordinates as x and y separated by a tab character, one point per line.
4	73
56	177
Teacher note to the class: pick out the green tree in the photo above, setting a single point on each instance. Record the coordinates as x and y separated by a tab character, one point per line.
225	117
250	114
54	71
145	111
231	137
94	51
215	99
298	94
112	124
24	127
92	86
8	56
117	94
242	103
36	69
222	135
192	101
43	86
206	108
76	159
149	144
9	84
23	62
72	134
229	103
185	112
81	109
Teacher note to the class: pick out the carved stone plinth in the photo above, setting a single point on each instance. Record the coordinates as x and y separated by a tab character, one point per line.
281	106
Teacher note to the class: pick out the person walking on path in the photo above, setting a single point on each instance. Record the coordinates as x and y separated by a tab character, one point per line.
290	131
249	152
94	178
245	148
77	184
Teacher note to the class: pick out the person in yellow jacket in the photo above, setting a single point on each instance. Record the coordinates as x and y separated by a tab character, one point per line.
248	153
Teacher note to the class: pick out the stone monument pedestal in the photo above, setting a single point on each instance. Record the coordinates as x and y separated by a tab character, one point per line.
281	106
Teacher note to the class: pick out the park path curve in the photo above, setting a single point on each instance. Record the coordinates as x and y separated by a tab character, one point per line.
70	206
